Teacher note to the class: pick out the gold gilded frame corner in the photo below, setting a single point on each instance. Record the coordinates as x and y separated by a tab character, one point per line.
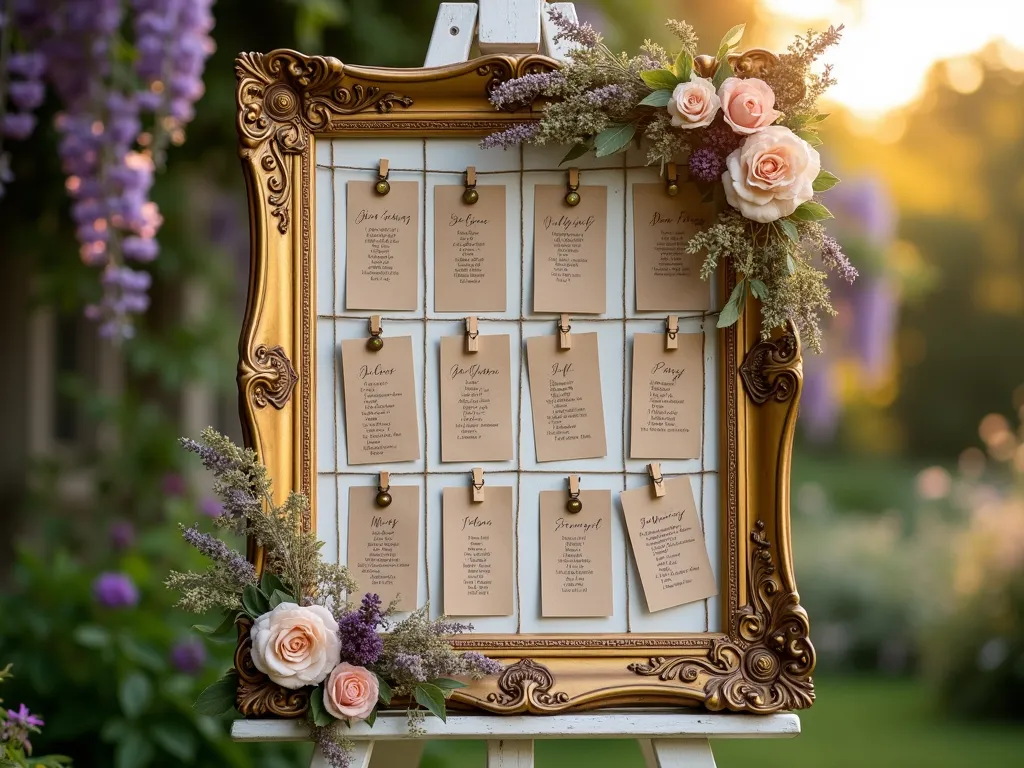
762	662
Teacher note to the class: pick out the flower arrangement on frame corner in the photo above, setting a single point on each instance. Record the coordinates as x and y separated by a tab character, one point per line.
748	142
307	633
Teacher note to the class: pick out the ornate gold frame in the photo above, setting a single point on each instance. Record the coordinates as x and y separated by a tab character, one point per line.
763	662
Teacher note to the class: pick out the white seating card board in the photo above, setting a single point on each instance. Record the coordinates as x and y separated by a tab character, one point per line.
433	161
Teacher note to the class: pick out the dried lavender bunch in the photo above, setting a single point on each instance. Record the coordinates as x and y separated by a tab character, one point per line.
797	88
417	650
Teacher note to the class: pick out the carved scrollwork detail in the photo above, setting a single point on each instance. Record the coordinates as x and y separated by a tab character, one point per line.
269	377
526	683
769	667
283	96
773	368
257	695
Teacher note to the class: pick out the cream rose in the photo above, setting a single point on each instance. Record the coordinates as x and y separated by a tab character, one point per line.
694	104
295	645
748	105
771	174
351	692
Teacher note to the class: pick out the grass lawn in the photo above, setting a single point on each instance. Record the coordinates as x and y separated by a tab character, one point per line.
854	724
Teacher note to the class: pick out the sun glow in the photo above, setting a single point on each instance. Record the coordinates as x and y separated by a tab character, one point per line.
889	45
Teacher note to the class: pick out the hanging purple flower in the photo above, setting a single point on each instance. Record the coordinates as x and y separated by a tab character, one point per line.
188	656
115	590
357	630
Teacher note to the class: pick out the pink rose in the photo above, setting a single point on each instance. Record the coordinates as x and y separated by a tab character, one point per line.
748	105
771	174
693	104
351	692
295	645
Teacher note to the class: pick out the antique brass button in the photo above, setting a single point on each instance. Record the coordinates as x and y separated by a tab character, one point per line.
573	505
383	499
673	189
382	187
573	198
375	344
470	196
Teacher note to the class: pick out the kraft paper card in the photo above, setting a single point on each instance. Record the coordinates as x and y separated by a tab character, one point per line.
476	399
478	551
469	250
381	254
667	277
668	397
569	250
381	418
668	545
565	391
576	555
384	543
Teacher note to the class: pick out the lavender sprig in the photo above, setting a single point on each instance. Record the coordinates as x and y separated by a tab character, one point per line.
833	258
510	137
523	90
235	564
583	35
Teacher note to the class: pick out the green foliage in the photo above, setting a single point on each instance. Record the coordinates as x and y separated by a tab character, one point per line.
317	710
614	138
824	181
734	307
811	211
658	98
660	79
730	40
432	699
219	697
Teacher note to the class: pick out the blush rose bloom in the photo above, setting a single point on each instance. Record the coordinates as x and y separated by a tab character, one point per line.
351	692
771	174
295	645
694	104
748	104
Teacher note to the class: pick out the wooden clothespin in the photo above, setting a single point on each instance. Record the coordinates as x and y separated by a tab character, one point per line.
384	490
574	505
657	481
572	197
564	326
672	332
470	196
375	343
472	335
671	179
478	484
382	187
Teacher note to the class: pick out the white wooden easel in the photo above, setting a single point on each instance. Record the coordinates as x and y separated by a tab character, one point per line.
668	738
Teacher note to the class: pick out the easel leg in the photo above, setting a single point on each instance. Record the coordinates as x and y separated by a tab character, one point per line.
360	756
682	753
510	753
398	754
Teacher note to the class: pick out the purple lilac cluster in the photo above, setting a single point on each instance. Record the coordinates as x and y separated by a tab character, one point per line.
240	569
511	137
335	754
357	630
109	159
25	91
115	590
706	165
188	656
522	90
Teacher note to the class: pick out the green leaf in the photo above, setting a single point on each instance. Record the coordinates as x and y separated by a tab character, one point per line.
134	751
176	740
577	151
254	601
683	66
219	697
270	581
789	229
730	40
734	307
811	137
790	264
321	716
811	211
658	98
613	139
431	697
134	694
221	629
722	71
141	653
812	119
824	181
280	597
759	289
91	636
371	718
660	78
447	684
384	693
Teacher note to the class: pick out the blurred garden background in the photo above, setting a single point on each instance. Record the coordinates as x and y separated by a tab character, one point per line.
908	481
